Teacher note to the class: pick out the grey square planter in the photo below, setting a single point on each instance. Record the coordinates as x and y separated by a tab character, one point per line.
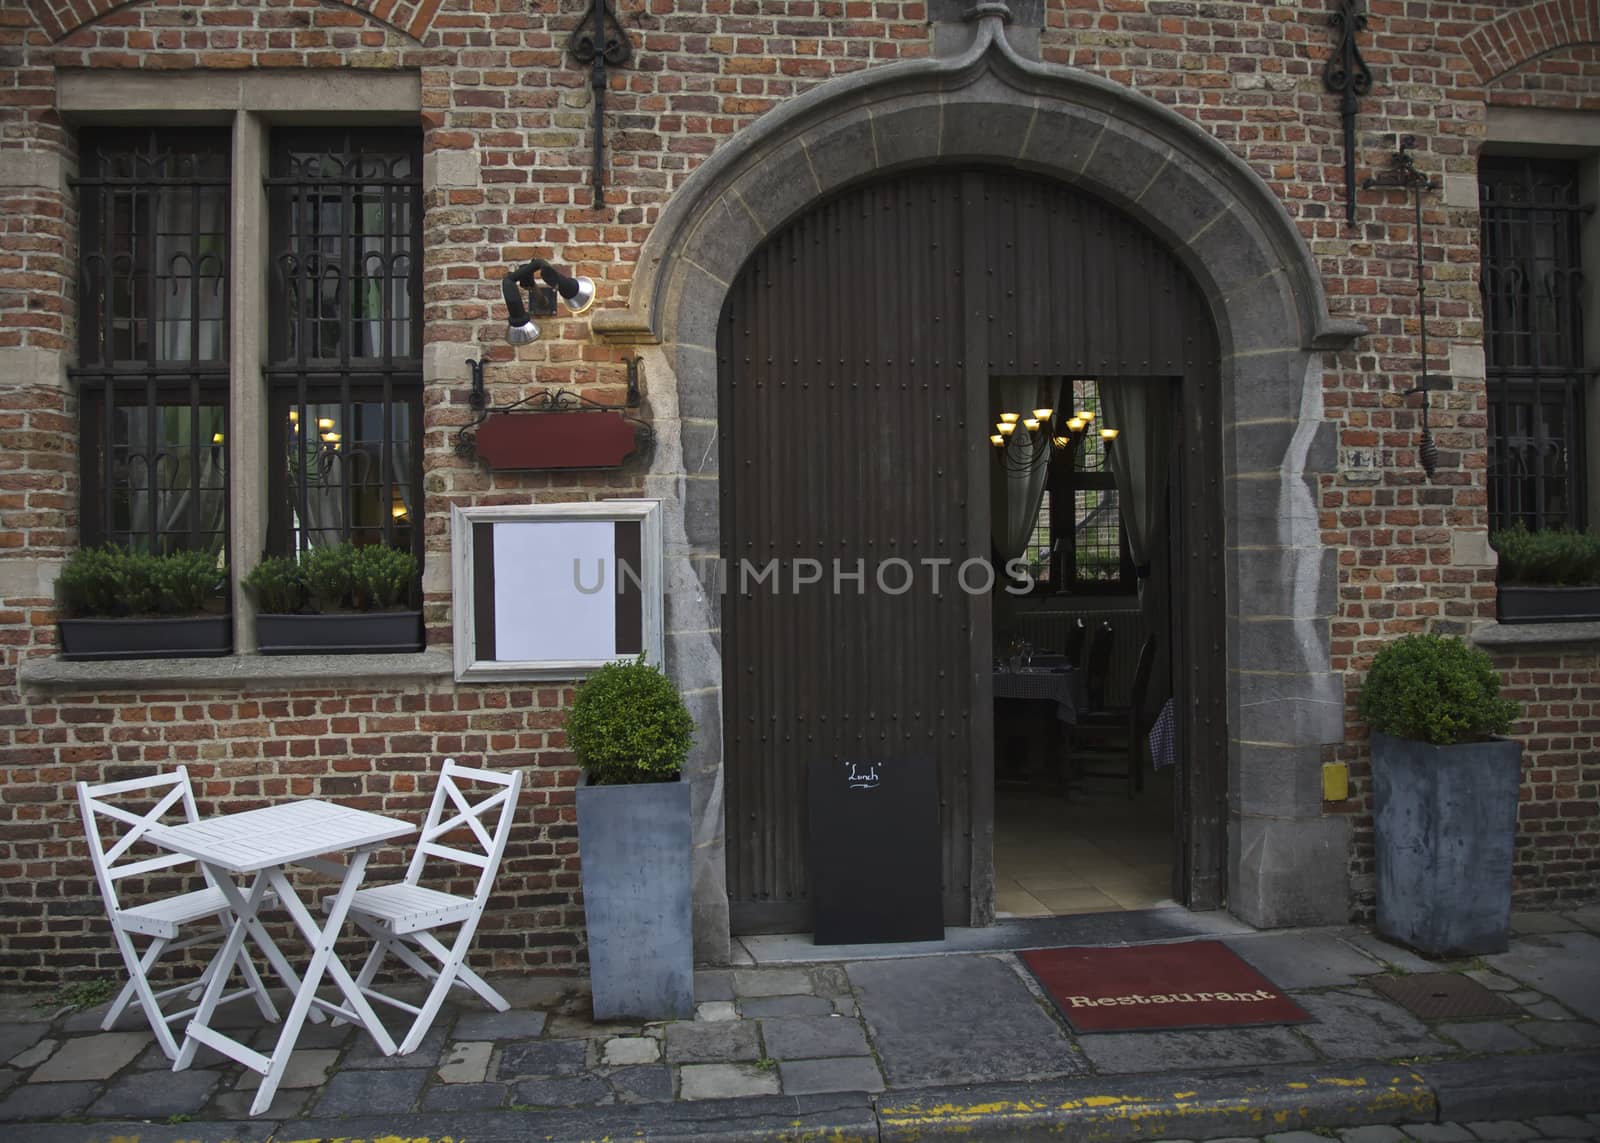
1445	820
634	849
161	637
1527	604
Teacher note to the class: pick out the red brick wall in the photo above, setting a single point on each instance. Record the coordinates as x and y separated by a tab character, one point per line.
497	82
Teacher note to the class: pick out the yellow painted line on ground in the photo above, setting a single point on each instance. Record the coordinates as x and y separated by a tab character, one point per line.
1407	1091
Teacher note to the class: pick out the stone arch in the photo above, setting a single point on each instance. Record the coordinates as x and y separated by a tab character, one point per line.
60	18
1287	862
1505	44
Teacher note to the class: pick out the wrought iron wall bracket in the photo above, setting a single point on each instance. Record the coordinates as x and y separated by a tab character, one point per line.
562	401
595	44
1347	76
1403	175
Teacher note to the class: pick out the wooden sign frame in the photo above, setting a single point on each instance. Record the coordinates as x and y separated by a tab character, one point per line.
521	606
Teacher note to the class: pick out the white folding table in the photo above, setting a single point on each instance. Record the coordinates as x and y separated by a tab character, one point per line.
263	843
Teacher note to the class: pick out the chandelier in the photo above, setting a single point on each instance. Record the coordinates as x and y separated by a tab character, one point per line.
1024	443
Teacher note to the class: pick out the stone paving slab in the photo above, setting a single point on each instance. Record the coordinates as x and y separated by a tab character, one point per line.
1304	960
137	1097
46	1100
1565	966
365	1053
726	1081
852	1073
1123	1052
513	1025
95	1057
17	1038
806	1038
1355	1026
765	1006
370	1092
749	982
542	1058
986	1024
720	1042
646	1083
465	1062
582	1090
305	1069
1486	1036
465	1097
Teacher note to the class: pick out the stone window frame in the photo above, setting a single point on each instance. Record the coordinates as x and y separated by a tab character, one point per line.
251	104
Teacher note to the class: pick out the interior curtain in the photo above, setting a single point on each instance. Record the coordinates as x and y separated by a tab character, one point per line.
1141	410
189	270
1017	487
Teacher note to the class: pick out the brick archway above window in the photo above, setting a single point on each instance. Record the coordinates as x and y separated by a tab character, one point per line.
1505	44
60	18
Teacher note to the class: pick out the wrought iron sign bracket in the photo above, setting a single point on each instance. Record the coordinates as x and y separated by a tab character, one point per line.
600	443
593	44
1347	76
1403	174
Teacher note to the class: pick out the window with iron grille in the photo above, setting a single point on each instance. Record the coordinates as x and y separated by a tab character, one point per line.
345	339
1532	281
152	378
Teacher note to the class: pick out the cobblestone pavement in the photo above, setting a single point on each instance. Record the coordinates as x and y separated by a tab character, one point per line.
886	1032
1556	1128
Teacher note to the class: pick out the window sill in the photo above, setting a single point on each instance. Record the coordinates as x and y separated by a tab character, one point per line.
1537	636
238	672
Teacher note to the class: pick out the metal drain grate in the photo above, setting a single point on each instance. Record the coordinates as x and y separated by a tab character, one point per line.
1443	996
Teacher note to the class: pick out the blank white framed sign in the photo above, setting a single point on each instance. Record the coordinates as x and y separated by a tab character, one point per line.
554	591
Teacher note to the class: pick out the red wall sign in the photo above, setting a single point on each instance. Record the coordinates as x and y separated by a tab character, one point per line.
597	439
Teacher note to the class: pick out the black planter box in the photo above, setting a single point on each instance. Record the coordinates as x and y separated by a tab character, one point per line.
165	637
1549	604
339	633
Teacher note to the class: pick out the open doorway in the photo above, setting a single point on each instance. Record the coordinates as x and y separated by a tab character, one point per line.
1085	813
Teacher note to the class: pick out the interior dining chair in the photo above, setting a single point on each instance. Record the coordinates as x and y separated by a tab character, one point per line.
1077	633
118	850
1106	741
401	918
1097	664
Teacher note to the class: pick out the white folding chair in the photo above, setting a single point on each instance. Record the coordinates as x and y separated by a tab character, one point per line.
400	917
162	920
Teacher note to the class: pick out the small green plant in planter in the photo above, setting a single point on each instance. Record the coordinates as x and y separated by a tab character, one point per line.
1444	789
631	732
1435	689
1548	576
118	604
627	724
336	599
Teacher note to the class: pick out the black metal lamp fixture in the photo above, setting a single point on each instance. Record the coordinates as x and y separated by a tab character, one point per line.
576	293
1403	174
1025	443
1346	75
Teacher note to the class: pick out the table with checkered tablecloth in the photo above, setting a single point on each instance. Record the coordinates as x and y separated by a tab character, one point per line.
1064	688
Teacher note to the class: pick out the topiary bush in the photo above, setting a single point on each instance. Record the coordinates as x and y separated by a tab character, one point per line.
326	572
1556	557
112	582
628	724
1436	689
189	580
382	577
277	586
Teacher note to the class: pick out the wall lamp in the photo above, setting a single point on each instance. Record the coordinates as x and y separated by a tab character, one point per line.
577	293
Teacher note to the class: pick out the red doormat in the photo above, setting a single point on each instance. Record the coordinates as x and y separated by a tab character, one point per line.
1197	985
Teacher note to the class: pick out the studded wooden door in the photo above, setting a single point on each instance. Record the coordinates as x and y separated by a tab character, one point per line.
854	356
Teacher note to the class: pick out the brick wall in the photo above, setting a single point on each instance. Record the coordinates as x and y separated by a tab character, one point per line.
498	85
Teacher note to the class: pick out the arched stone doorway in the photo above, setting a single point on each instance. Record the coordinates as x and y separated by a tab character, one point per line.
1285	862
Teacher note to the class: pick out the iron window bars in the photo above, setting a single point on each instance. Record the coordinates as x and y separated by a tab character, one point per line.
1532	284
153	208
345	338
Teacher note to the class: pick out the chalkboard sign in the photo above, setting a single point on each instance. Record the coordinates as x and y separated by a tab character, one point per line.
875	851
